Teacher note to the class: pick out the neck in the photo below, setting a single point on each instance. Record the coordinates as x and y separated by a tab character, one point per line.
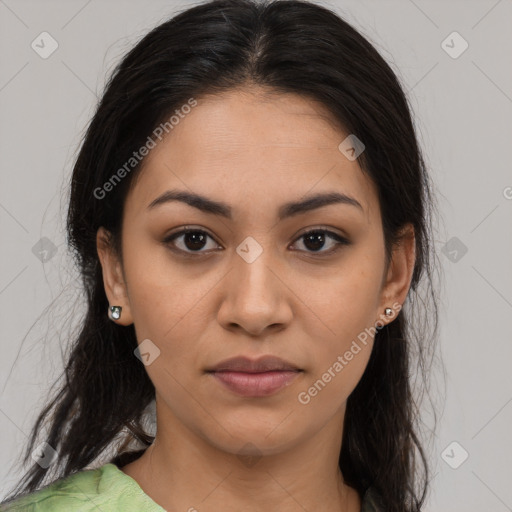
182	471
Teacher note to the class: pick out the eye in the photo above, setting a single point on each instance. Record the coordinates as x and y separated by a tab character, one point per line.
316	239
193	240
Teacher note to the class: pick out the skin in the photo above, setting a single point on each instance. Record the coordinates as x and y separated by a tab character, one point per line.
254	151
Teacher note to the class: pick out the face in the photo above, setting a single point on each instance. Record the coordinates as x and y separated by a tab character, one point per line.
248	280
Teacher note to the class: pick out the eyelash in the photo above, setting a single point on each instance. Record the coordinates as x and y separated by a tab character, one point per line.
341	241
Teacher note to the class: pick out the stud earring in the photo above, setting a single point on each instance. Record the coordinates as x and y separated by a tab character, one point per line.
388	311
115	312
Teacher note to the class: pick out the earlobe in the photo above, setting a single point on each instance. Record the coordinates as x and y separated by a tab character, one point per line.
113	280
114	312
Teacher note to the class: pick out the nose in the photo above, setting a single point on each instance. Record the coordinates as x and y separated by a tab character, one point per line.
255	296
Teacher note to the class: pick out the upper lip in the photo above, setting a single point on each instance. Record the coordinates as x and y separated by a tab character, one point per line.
248	365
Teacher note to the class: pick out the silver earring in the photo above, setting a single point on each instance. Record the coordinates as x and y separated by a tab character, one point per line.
388	311
115	312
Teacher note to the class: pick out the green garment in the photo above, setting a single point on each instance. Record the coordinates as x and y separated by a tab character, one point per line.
105	489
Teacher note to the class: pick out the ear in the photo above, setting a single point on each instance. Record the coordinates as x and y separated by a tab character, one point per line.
399	274
113	278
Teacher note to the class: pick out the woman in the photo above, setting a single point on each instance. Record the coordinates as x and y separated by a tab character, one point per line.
250	210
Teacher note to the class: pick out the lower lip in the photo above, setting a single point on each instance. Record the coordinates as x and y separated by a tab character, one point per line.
256	384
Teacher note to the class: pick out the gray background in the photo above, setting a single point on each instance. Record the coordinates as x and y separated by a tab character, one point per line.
463	109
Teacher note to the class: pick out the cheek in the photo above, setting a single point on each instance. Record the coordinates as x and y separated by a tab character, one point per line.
161	297
169	308
345	310
334	378
341	306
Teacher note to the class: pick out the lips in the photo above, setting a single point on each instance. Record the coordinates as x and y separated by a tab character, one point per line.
255	377
247	365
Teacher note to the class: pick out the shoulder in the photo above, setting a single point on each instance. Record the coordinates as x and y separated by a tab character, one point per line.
86	490
64	494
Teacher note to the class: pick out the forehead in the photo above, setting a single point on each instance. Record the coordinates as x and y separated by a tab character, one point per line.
253	148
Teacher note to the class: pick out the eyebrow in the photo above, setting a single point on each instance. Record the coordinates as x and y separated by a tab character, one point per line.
290	209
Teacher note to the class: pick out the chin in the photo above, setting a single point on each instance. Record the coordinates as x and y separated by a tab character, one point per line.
253	441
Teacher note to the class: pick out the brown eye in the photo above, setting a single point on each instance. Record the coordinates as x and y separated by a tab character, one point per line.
315	240
193	240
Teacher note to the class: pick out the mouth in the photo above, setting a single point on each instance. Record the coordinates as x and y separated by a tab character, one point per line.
248	365
255	377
